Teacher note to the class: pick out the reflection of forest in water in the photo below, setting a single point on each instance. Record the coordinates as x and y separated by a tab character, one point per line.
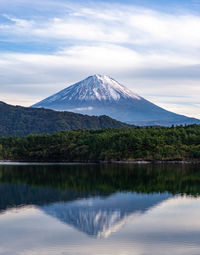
43	184
96	199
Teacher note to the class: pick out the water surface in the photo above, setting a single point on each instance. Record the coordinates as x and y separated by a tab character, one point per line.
99	209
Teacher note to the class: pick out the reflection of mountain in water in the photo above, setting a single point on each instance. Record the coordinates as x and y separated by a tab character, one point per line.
99	217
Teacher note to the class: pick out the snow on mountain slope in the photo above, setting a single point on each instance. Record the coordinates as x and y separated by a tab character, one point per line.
102	95
97	87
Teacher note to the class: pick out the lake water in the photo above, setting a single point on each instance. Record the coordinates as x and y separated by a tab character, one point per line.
108	209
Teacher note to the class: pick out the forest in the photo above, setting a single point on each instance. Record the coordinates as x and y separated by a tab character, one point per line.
150	143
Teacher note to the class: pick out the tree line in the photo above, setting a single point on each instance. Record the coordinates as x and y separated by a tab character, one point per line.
150	143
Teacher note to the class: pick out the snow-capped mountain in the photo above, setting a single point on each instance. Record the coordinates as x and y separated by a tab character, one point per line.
99	217
102	95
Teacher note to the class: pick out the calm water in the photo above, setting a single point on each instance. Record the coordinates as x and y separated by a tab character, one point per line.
99	209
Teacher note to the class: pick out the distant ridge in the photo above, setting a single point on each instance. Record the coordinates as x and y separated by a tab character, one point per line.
22	121
102	95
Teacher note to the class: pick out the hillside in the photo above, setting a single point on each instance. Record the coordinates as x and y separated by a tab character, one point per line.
22	121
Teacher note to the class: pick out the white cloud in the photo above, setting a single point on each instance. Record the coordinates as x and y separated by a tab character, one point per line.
119	24
88	59
142	48
35	76
172	30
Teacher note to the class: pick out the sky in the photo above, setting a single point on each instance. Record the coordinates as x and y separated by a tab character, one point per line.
150	46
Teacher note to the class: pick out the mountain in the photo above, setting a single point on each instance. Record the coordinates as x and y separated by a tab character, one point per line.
100	94
22	121
99	217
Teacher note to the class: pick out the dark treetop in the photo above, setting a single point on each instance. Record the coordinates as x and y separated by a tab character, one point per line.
175	143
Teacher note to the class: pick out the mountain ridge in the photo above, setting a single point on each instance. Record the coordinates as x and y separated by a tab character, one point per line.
22	121
101	94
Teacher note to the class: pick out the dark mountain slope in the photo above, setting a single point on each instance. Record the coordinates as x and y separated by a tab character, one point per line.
22	121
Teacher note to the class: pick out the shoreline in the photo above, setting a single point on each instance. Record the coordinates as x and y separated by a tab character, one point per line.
136	162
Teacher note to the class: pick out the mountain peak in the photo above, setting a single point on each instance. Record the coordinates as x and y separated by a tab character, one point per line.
103	88
102	95
97	87
100	77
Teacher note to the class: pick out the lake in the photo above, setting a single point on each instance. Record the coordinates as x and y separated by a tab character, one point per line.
99	209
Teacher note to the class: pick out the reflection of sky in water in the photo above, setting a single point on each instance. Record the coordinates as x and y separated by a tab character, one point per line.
169	226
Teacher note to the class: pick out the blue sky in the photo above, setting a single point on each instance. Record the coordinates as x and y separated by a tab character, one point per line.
149	46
